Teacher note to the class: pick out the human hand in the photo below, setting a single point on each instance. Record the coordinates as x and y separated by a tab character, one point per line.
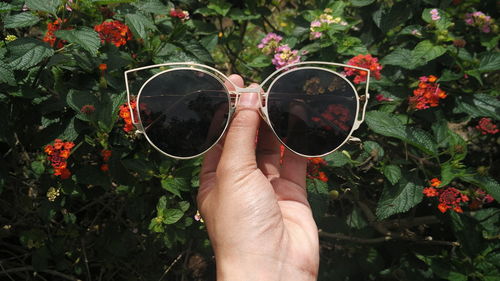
255	209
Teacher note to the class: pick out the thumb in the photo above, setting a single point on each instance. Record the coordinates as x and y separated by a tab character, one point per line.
239	146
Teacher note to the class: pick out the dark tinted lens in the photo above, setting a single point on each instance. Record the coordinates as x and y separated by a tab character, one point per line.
184	112
311	110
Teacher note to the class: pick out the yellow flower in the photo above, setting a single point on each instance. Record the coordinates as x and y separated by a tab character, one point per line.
53	193
10	38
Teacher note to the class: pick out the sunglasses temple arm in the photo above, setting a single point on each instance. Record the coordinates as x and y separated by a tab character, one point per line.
132	113
364	99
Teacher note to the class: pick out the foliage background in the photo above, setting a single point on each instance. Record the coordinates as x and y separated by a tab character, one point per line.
135	220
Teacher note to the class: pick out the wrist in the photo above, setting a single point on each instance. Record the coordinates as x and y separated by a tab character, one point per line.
248	268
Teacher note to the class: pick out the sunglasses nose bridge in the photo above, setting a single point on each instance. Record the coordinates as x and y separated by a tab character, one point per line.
235	95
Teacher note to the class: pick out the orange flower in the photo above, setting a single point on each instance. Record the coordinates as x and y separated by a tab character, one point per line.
126	116
49	149
322	177
114	32
435	182
443	207
365	61
50	36
106	154
427	94
103	66
430	192
58	144
57	155
69	145
64	154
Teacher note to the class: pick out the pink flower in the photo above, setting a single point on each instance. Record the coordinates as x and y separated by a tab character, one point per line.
435	14
381	98
269	43
315	23
316	35
285	56
480	20
485	126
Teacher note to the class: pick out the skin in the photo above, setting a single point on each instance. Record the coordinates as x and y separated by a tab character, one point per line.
255	209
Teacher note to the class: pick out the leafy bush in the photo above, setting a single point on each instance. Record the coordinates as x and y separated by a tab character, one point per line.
83	197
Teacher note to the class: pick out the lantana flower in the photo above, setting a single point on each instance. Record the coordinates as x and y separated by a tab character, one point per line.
57	154
480	20
322	24
427	94
50	37
269	43
114	32
125	115
313	169
180	14
284	56
486	126
449	197
365	61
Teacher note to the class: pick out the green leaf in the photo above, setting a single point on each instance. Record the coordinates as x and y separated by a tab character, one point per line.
5	7
361	3
478	105
260	61
399	198
337	159
175	185
221	7
356	219
139	24
388	125
488	184
184	205
27	52
425	51
77	99
194	48
399	57
49	6
449	172
392	173
489	62
442	23
106	2
85	37
21	20
38	167
171	216
152	6
6	74
373	148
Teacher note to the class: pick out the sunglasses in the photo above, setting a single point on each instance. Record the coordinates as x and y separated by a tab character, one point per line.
183	109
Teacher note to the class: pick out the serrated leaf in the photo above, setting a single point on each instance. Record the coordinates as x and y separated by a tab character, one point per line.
5	7
260	61
194	48
49	6
337	159
27	52
442	23
373	148
175	185
425	51
479	105
184	205
399	198
38	167
106	2
171	216
489	62
221	7
85	37
399	57
139	24
392	173
388	125
21	20
6	74
152	6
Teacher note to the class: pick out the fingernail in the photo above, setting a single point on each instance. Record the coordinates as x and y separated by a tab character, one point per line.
249	99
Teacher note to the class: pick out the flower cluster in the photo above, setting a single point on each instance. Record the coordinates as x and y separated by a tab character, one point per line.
479	20
336	115
53	193
322	24
313	169
125	115
58	154
180	14
87	109
449	197
284	56
269	43
106	154
50	37
485	126
114	32
435	14
427	94
480	198
365	61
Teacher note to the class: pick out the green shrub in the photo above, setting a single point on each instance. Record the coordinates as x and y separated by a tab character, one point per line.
83	197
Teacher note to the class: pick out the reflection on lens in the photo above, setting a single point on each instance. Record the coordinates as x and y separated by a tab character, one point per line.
183	112
311	110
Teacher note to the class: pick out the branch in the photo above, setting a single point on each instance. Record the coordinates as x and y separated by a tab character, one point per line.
49	271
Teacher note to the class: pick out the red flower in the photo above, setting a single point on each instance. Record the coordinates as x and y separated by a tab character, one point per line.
381	98
87	109
427	94
106	154
313	166
104	167
58	153
50	36
336	115
485	126
451	197
103	66
365	61
125	115
114	32
180	14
